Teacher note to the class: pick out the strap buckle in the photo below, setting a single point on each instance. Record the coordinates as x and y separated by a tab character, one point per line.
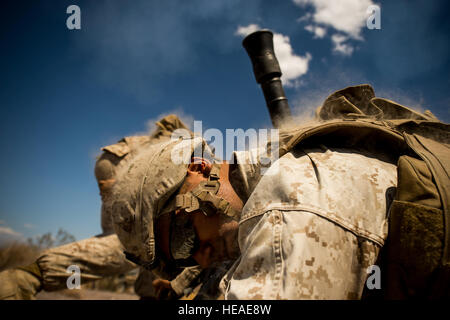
187	202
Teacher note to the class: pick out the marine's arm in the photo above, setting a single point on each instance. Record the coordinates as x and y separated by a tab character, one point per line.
311	234
96	257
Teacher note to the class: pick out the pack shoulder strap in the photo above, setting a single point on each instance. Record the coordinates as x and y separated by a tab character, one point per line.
351	132
437	157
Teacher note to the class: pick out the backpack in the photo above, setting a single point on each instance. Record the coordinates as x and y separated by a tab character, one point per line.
415	260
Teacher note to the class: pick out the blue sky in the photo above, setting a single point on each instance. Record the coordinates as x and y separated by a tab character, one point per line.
65	93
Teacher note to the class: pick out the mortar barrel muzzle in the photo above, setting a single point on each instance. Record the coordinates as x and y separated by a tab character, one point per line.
259	46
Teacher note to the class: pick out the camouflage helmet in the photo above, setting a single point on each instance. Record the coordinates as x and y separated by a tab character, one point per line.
142	191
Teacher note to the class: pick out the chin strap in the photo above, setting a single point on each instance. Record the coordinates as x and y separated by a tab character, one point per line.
204	197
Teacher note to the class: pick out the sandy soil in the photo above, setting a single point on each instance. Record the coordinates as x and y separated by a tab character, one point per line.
84	294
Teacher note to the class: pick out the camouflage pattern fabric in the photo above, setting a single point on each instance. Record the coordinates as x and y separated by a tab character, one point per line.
311	227
117	156
96	257
99	257
103	256
143	191
18	284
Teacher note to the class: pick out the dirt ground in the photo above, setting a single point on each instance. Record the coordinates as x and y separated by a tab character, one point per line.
85	294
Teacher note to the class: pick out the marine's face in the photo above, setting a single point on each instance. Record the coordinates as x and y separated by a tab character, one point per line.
215	235
217	238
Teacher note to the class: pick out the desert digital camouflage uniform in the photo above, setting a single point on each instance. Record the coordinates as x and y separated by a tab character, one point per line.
97	257
143	194
102	256
317	219
115	157
314	222
311	227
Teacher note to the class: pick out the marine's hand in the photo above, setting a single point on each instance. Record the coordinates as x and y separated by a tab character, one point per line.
18	284
163	289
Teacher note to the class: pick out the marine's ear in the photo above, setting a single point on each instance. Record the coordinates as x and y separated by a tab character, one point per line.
200	165
197	171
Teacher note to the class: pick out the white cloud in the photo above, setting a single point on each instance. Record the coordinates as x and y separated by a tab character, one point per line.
340	46
29	226
9	231
347	17
292	66
306	17
319	32
9	235
243	31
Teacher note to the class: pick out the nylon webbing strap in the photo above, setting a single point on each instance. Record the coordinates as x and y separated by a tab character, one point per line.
204	197
437	158
215	172
187	202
